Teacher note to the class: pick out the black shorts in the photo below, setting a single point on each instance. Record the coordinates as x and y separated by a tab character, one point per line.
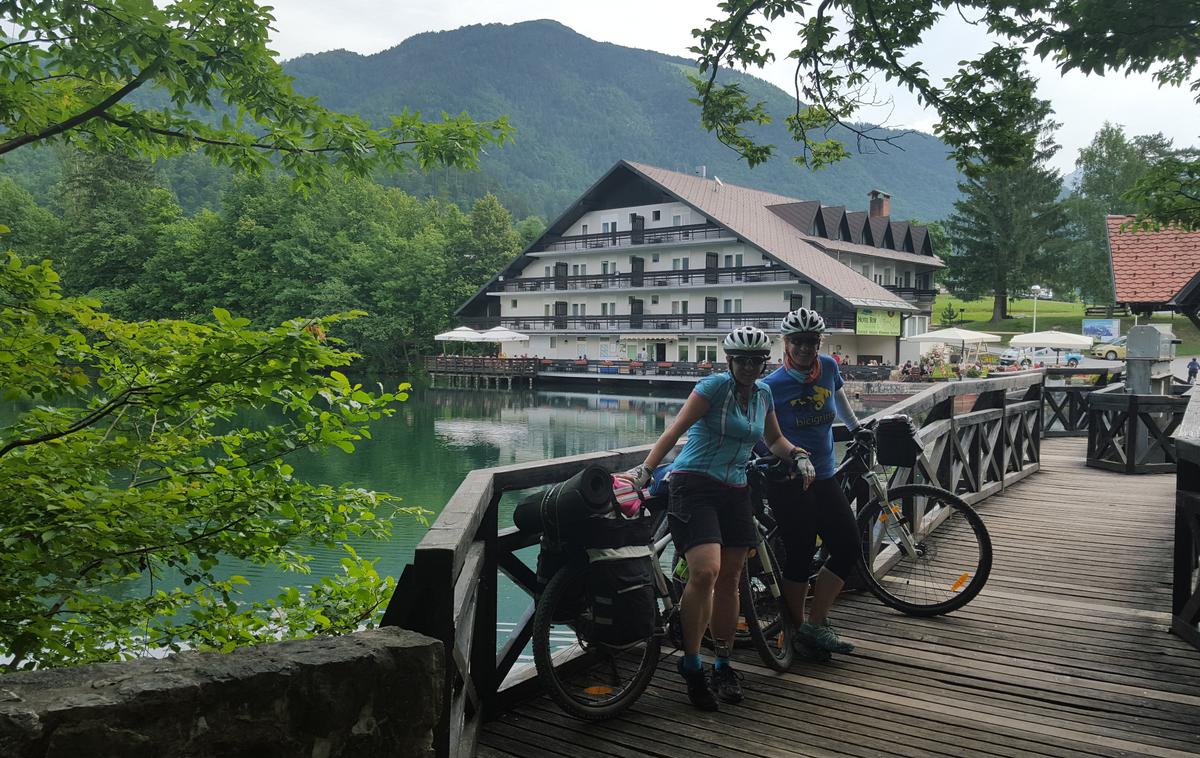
704	511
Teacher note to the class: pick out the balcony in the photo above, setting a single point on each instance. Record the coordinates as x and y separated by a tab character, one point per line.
661	235
648	279
914	295
718	323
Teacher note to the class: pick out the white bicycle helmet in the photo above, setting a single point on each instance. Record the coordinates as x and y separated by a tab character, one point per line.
747	340
802	321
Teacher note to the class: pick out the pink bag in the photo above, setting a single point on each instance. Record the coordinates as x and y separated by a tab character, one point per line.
629	500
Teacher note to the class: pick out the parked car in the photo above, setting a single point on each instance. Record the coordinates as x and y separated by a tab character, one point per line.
1027	356
1110	351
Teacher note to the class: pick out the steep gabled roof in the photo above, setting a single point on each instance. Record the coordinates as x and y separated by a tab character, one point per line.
900	233
920	239
879	252
881	231
860	230
1152	266
747	213
801	214
835	221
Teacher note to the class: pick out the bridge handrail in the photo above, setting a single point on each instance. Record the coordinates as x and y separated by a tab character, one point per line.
1185	591
979	435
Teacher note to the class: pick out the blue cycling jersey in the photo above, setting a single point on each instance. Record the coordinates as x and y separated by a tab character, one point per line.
719	443
806	410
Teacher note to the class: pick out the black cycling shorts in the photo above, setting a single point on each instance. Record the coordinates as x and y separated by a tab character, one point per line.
803	514
704	511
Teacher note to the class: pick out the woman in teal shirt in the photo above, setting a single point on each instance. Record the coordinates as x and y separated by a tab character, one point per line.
711	519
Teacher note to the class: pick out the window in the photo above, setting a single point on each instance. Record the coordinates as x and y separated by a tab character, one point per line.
583	309
583	269
584	229
907	278
609	226
737	305
654	299
553	341
575	269
547	272
603	267
679	264
683	352
514	304
612	267
866	270
612	309
654	257
655	215
729	261
546	310
574	309
676	220
706	352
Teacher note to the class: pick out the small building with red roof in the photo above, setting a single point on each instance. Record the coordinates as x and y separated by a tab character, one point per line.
1155	269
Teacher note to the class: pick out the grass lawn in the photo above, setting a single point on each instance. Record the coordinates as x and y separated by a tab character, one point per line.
977	315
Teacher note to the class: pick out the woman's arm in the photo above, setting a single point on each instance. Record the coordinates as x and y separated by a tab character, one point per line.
692	411
782	447
844	412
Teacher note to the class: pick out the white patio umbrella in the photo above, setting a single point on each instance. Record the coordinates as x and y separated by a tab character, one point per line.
963	337
1053	339
503	334
459	334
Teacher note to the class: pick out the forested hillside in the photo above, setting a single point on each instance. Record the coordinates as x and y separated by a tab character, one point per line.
578	106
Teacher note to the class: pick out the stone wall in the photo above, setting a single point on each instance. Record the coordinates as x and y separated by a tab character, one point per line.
375	693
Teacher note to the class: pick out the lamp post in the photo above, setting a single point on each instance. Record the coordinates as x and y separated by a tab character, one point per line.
1036	290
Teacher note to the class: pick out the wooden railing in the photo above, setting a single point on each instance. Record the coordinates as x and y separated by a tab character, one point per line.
1132	433
1185	591
1066	412
980	435
472	364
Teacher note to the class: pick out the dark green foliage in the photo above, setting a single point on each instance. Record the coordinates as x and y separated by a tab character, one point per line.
1009	230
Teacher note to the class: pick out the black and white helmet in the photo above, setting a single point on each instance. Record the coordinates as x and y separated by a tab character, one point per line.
802	321
746	340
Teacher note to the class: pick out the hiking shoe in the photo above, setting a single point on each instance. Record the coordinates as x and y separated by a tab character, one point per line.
806	652
823	637
699	688
727	684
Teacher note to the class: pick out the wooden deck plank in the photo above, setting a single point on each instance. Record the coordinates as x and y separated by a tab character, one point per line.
1066	652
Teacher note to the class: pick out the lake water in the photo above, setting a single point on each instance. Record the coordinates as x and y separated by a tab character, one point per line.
437	437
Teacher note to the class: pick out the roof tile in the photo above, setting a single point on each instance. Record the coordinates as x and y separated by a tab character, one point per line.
1151	266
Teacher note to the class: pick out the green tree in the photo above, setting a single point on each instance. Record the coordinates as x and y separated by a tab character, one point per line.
982	108
486	244
1108	168
1008	230
210	83
31	228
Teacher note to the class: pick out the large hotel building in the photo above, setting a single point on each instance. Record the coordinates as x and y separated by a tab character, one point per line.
661	264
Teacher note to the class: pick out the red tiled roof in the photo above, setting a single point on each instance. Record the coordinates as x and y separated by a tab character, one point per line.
1151	266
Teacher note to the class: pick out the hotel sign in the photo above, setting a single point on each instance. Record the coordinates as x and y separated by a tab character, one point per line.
878	323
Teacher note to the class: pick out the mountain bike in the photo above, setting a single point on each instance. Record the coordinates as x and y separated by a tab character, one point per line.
925	551
593	680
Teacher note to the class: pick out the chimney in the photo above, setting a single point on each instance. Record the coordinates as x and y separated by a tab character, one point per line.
702	172
881	204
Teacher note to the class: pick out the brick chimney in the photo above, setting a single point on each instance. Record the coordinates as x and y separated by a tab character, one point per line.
881	204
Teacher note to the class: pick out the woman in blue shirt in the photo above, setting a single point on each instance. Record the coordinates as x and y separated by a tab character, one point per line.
808	396
710	515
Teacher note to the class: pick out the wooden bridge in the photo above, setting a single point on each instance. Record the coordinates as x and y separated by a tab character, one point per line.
1068	650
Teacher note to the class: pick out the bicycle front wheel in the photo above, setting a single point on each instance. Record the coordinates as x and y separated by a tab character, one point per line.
925	552
768	622
587	679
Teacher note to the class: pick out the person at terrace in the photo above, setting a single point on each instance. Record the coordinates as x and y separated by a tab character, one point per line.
710	514
808	395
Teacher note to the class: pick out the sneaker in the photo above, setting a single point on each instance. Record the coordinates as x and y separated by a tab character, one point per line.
806	652
727	684
699	688
823	637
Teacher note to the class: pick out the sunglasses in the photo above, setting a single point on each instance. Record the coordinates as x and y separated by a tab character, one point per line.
804	341
754	361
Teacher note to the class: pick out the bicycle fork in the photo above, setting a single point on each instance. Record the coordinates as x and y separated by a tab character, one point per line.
888	510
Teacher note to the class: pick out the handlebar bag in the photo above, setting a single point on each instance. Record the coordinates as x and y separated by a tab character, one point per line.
896	441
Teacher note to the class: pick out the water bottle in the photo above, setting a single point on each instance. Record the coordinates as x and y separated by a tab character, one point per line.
681	570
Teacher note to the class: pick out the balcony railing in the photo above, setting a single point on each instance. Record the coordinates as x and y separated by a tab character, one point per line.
661	235
648	322
648	279
912	294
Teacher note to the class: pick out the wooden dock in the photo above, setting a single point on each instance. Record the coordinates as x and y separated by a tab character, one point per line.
1066	652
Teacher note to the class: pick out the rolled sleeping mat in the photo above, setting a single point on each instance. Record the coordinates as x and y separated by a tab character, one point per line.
566	504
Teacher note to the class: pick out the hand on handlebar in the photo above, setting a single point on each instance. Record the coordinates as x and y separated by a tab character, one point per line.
638	476
864	434
802	465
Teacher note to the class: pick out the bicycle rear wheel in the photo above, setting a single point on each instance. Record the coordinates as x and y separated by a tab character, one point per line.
587	679
768	621
926	552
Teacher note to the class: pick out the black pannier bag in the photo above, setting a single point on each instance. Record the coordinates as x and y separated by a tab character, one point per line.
620	578
896	441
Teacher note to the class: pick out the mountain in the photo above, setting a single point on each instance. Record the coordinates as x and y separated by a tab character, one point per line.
579	105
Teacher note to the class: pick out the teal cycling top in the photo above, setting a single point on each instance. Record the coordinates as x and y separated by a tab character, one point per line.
719	443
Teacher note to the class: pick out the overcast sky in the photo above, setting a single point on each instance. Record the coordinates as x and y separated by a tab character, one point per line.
1081	103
